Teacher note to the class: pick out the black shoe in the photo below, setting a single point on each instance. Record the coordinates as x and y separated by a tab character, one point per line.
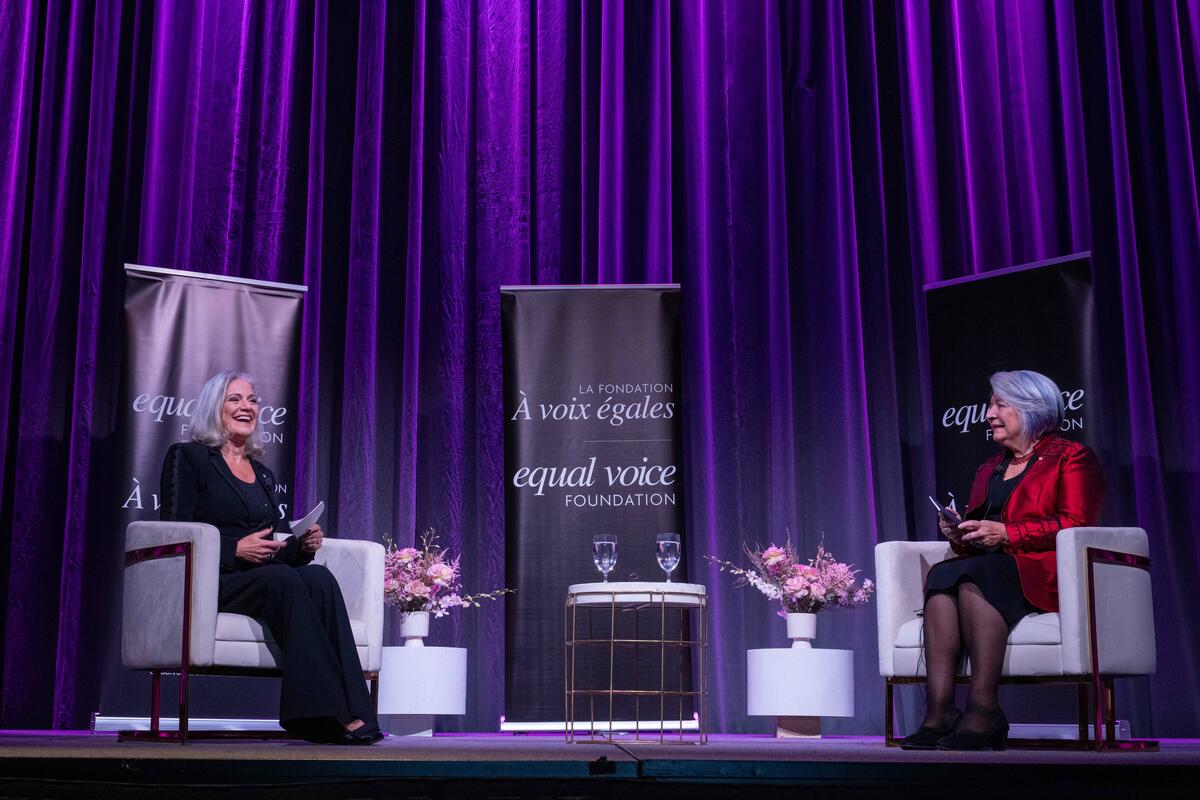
993	737
363	735
926	738
352	738
371	733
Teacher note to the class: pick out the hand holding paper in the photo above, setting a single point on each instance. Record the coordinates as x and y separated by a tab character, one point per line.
300	527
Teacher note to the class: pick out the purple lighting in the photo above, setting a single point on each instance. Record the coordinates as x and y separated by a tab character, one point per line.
801	169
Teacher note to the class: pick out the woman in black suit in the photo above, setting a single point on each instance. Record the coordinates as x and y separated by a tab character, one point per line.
215	479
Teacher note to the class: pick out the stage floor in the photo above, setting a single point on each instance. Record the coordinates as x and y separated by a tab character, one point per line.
63	764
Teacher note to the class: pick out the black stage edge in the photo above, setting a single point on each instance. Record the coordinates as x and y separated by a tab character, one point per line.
512	767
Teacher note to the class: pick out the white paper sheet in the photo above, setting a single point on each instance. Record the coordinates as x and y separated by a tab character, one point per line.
299	526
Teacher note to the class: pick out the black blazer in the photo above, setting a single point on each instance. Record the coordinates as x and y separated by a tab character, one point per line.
198	486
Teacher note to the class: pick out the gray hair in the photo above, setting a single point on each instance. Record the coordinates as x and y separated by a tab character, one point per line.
1036	399
206	421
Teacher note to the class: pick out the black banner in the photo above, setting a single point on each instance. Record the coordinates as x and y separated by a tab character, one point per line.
592	446
1038	317
181	328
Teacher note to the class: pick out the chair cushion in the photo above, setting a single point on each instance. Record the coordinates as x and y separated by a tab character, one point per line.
1040	629
265	655
241	628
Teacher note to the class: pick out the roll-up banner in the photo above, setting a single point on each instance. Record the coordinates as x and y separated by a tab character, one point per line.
181	328
592	446
1036	316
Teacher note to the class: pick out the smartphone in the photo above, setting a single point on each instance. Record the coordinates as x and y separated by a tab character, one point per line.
947	513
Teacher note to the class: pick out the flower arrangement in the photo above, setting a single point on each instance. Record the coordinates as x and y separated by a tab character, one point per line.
425	578
822	582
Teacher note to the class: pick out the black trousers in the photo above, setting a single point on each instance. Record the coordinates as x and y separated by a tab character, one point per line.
323	684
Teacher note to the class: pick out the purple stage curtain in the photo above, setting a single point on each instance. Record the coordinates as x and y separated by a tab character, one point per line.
801	168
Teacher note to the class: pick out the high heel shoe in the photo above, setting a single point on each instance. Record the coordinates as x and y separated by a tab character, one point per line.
993	737
926	738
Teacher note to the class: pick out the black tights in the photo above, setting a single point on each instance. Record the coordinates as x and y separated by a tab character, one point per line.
950	624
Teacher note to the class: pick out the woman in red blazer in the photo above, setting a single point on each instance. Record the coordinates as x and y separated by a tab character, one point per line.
1005	565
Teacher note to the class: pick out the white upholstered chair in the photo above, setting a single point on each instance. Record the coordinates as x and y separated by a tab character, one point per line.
1103	630
171	573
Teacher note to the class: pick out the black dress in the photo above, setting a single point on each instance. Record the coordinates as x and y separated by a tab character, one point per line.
992	570
301	603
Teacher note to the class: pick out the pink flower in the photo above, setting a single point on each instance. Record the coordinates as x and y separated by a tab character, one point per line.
796	586
407	555
822	582
863	592
804	571
391	586
417	589
774	556
441	574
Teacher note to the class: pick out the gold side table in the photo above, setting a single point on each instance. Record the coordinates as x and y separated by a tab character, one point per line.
621	630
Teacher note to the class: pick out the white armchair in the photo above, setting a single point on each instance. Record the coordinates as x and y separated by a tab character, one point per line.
170	621
1104	628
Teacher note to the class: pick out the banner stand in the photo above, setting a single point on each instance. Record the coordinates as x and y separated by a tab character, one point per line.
181	328
592	447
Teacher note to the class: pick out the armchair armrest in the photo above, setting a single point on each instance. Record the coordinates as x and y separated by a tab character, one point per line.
900	569
152	606
358	567
1124	603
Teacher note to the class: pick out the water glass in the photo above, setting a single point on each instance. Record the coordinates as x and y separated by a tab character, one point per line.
667	550
604	553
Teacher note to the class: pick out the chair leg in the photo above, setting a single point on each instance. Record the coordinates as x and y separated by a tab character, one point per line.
1084	708
183	706
1110	714
889	728
375	693
155	705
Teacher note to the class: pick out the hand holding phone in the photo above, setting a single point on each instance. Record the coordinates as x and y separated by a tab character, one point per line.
948	520
948	513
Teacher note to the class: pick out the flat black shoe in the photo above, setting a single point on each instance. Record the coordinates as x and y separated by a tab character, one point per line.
371	733
993	737
364	735
351	738
926	738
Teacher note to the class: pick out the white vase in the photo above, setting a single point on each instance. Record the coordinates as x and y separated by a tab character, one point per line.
414	627
801	629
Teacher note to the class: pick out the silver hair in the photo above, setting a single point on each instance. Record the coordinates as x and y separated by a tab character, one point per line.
1036	399
206	421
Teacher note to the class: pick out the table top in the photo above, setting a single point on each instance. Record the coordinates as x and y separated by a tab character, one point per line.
800	652
627	593
430	647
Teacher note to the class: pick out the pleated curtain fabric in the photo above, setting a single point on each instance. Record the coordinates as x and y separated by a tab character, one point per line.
802	169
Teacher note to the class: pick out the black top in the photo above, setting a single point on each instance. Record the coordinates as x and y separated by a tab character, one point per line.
198	486
998	492
258	502
999	489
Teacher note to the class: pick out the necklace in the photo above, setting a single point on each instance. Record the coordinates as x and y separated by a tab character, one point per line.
1019	460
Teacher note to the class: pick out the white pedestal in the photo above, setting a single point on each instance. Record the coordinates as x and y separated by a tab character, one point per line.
799	686
417	683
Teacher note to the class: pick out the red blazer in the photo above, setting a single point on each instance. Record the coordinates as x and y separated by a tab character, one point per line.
1063	488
